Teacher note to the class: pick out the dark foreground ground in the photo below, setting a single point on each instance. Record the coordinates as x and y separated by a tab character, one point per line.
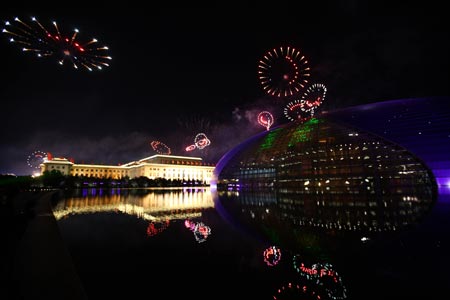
35	263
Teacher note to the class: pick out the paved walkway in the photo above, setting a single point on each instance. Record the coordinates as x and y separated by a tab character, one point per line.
42	266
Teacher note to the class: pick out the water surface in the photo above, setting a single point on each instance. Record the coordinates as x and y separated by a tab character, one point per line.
202	244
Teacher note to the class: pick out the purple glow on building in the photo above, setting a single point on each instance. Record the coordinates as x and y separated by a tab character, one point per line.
229	155
421	125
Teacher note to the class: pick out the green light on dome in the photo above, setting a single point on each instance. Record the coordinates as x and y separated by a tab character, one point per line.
269	139
301	134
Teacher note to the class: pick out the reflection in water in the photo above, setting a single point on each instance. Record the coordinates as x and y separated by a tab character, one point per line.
314	250
276	211
149	204
154	228
297	291
272	256
155	206
320	230
324	276
200	230
189	224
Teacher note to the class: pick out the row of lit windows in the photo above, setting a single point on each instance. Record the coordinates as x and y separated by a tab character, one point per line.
57	167
113	176
182	162
100	170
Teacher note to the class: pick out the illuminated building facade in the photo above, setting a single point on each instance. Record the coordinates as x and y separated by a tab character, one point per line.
169	167
322	158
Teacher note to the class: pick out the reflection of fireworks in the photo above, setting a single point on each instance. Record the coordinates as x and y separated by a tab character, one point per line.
189	224
272	256
155	228
265	119
35	159
296	291
313	97
34	37
160	147
200	230
323	275
283	72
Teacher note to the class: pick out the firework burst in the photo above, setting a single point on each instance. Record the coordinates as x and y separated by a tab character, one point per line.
294	110
35	159
160	147
313	97
44	41
306	107
283	72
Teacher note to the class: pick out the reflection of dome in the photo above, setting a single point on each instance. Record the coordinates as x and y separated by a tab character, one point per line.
323	174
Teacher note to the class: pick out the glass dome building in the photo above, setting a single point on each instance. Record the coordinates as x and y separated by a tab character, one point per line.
332	175
322	157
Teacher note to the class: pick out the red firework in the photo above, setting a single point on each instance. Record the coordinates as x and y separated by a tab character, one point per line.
283	72
160	147
44	41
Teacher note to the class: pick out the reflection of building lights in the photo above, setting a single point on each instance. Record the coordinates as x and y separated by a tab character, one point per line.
410	199
272	256
155	207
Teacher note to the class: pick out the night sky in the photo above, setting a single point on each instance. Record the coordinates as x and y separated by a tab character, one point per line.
179	71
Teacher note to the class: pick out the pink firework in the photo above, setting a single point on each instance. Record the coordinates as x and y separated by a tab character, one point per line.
191	148
201	141
265	119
